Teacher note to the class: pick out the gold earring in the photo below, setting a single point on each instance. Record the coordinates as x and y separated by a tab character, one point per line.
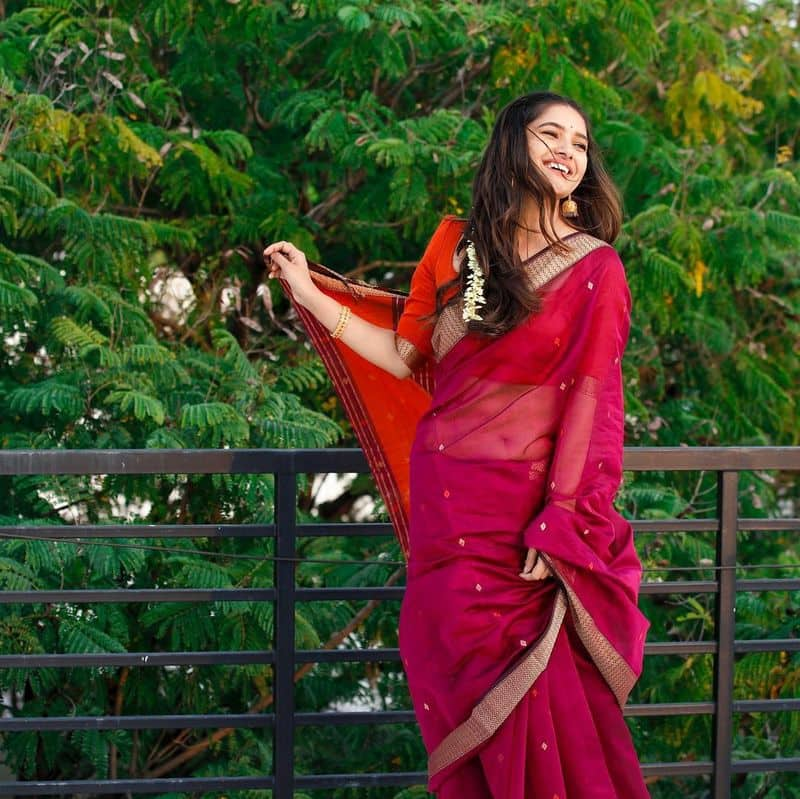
569	208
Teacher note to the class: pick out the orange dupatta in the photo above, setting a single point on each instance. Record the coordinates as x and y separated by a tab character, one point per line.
383	409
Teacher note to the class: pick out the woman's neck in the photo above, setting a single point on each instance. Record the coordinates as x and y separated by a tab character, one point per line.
530	236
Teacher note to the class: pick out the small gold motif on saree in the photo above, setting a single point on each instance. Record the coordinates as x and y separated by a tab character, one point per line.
478	587
523	642
543	526
544	746
563	386
590	285
461	542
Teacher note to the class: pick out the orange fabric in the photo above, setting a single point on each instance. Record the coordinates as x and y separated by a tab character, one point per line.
434	270
383	409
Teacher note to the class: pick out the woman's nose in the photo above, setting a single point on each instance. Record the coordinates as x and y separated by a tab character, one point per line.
563	147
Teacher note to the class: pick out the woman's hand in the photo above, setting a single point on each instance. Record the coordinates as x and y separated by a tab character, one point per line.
535	567
287	262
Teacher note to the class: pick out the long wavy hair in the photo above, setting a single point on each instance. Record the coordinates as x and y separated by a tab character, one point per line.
504	178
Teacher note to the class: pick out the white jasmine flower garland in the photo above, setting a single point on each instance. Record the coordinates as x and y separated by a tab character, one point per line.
473	295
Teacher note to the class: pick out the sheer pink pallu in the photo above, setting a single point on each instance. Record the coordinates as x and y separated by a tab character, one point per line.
517	686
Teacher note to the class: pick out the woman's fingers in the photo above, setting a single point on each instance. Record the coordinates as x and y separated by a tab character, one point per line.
531	560
283	257
277	260
541	571
285	249
535	568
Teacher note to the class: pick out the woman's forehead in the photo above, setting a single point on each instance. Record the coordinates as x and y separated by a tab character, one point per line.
564	116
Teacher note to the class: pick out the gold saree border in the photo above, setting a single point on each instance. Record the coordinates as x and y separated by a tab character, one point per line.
612	666
411	356
540	270
490	713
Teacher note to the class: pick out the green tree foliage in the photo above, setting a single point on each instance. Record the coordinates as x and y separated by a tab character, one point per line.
148	150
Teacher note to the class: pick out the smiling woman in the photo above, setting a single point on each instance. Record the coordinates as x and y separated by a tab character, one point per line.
519	630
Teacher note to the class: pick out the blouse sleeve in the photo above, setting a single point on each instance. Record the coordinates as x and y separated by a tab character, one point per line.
415	327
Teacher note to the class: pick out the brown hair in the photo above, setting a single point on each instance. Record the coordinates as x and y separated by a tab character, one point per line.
504	177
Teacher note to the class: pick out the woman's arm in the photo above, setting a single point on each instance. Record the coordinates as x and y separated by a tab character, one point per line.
374	343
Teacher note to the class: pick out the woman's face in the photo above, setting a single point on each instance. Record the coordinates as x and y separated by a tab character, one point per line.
557	145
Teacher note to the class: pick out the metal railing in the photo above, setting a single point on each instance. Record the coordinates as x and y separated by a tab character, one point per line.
283	722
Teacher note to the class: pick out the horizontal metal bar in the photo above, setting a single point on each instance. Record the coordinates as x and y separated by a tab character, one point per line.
710	647
674	525
653	587
137	531
339	718
346	655
120	595
776	764
264	461
348	594
345	529
93	659
779	525
652	648
667	709
115	787
769	584
731	459
708	708
181	461
330	718
337	529
97	596
648	588
396	779
767	645
766	705
208	721
680	648
655	648
688	768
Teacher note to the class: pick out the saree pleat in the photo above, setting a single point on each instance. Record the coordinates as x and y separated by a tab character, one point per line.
497	446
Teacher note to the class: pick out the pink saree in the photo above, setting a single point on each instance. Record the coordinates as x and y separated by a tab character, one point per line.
517	686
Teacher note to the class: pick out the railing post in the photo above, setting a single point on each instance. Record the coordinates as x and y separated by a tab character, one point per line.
728	514
283	674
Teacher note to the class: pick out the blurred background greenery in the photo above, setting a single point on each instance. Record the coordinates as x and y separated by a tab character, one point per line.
148	151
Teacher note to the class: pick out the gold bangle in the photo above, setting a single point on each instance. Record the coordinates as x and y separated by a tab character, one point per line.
344	318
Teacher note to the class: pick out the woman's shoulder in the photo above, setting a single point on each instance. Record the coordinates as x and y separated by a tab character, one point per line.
602	258
438	257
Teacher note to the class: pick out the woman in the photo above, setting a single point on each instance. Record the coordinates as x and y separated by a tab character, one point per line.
519	630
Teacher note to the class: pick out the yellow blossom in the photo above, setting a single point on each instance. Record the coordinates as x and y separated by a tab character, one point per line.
698	274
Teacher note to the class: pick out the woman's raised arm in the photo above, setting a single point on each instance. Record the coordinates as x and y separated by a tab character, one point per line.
374	343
